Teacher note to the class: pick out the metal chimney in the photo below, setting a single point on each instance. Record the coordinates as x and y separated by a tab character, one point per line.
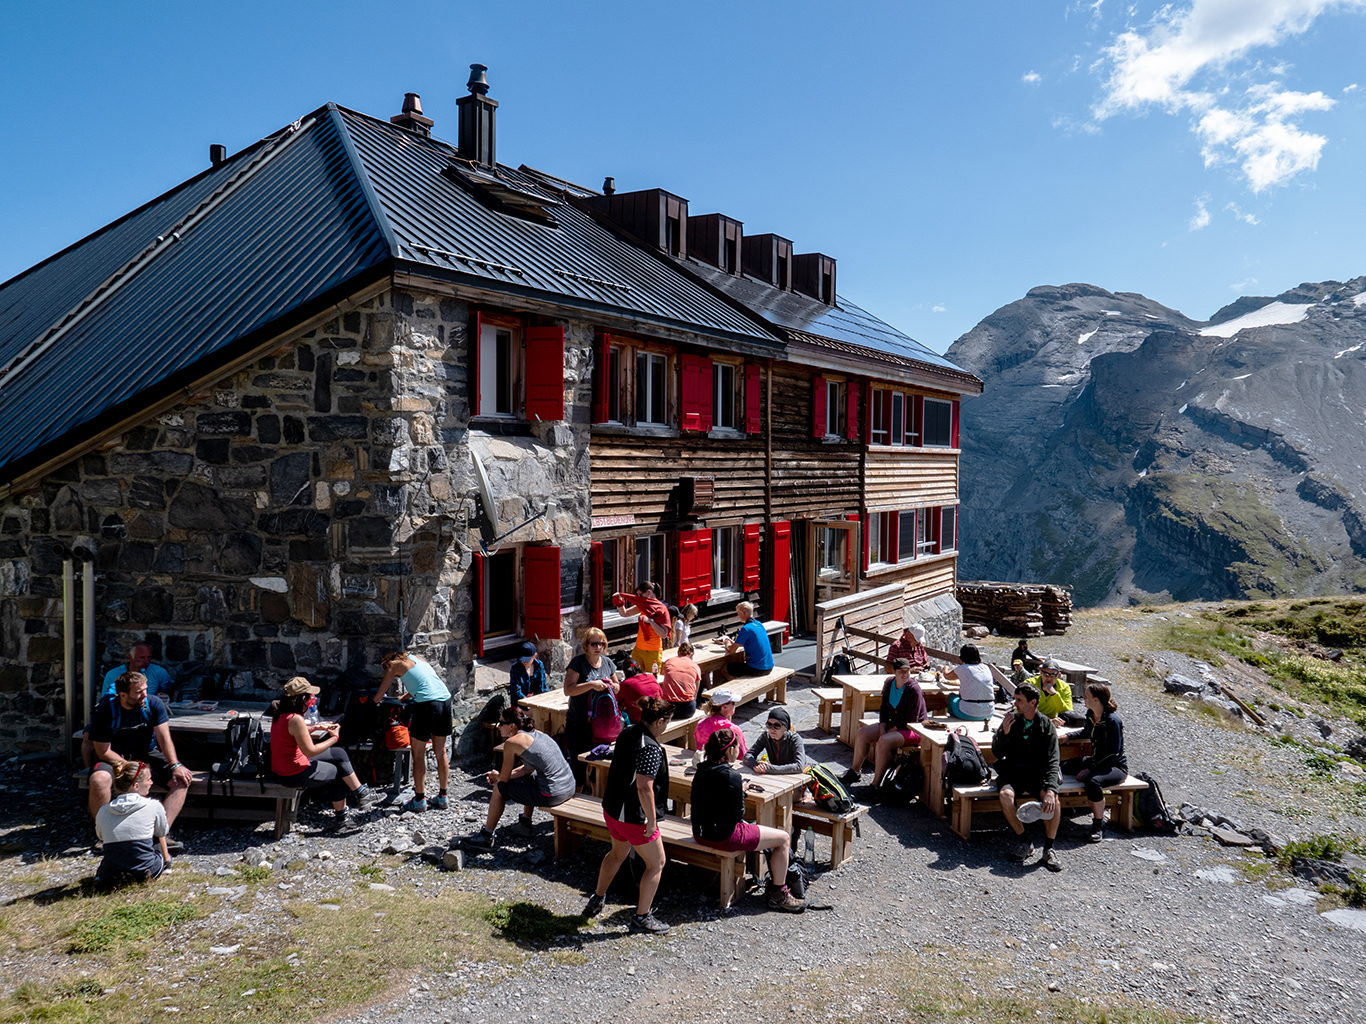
609	186
217	154
412	118
478	120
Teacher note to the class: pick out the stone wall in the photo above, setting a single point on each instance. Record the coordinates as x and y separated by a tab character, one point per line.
293	520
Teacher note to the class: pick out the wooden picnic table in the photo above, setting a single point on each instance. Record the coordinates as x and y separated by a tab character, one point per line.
208	722
864	693
769	804
934	737
1075	675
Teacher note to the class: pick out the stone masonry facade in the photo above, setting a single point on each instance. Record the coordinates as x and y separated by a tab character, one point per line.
282	523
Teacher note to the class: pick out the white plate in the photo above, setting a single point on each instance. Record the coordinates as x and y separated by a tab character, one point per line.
207	705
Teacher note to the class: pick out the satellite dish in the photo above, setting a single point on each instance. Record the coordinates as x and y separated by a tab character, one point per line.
485	490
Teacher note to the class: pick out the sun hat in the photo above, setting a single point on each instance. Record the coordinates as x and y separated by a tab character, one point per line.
722	696
918	631
1031	811
299	685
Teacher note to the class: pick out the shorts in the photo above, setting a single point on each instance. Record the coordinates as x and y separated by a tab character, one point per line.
645	658
429	718
1026	788
909	738
970	710
524	790
740	668
625	832
745	837
155	760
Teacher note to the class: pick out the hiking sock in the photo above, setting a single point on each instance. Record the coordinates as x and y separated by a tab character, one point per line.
442	793
1047	844
484	830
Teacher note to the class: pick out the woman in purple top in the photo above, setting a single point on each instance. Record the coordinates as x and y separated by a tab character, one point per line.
903	702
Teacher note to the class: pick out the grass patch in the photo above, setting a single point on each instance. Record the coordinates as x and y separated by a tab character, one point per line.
120	925
308	963
1321	763
532	922
1322	847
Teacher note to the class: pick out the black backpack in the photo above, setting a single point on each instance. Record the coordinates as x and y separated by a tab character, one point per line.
1152	808
902	782
963	761
248	757
839	666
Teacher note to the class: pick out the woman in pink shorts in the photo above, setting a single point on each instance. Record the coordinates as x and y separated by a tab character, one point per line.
718	812
903	702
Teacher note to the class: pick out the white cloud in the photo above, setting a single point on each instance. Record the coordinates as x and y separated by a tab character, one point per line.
1242	286
1031	77
1246	218
1186	59
941	308
1201	217
1350	88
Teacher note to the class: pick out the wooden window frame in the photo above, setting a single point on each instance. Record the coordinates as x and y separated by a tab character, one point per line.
728	539
517	326
836	398
738	376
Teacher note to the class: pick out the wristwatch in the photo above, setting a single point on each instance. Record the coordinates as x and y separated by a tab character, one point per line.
176	765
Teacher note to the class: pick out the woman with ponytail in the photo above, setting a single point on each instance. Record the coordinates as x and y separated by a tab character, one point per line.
1107	765
133	828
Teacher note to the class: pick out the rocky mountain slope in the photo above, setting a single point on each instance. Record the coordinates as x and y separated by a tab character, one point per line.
1128	450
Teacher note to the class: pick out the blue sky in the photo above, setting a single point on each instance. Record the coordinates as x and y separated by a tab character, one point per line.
950	155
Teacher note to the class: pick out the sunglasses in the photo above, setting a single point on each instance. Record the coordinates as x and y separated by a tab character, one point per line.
776	725
596	643
1051	675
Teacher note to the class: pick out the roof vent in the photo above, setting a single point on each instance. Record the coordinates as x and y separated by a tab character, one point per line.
609	186
218	154
412	118
478	120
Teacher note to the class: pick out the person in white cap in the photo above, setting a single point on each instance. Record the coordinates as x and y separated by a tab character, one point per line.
720	710
911	646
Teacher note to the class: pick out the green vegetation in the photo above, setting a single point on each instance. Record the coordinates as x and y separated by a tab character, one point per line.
118	926
1325	847
532	922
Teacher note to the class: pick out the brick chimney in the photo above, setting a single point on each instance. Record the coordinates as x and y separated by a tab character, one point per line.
412	118
478	120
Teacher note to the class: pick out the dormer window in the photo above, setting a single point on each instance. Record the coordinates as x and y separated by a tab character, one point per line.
782	273
671	236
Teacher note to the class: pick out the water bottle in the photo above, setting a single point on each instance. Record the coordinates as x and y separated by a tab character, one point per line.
809	847
311	713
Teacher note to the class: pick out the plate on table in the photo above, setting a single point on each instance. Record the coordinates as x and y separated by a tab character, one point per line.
182	705
207	705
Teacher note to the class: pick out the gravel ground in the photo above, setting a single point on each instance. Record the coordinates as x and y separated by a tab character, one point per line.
1175	921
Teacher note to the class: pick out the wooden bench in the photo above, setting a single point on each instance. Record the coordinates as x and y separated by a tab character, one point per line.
582	816
771	685
831	704
841	828
1071	793
777	633
234	800
683	729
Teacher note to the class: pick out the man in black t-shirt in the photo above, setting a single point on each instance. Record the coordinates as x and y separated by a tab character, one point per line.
132	726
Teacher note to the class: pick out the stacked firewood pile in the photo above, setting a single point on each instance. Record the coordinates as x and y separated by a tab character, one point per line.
1016	609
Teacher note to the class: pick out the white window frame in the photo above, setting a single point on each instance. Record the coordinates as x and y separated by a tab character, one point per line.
880	539
486	598
727	546
832	553
924	542
948	524
645	388
898	414
836	407
724	406
879	411
495	340
651	539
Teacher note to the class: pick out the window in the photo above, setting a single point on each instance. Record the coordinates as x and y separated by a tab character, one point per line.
612	582
924	544
906	537
499	604
948	535
727	561
938	423
832	552
730	256
614	384
672	235
498	351
898	417
652	389
827	288
782	273
880	413
651	561
836	402
881	537
724	396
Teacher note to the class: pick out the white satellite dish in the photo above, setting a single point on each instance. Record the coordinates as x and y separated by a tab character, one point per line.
485	490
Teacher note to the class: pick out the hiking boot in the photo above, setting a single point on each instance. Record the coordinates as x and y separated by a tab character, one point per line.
417	804
1050	860
851	776
366	798
438	803
338	820
481	840
782	899
594	906
1097	831
174	846
522	828
647	925
1021	849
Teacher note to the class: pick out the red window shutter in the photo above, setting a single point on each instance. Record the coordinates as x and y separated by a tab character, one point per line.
851	430
695	393
954	414
751	556
818	407
541	584
686	544
702	566
472	370
779	594
602	356
545	373
867	522
918	419
753	423
595	598
477	606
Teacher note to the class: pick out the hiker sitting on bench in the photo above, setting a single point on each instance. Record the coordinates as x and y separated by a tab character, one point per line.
1026	749
751	641
133	829
1106	765
720	711
718	812
133	726
975	700
911	646
779	750
543	779
300	761
903	702
158	685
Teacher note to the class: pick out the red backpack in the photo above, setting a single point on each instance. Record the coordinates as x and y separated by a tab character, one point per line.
604	715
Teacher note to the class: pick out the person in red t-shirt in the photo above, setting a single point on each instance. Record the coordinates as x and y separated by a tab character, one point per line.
635	687
682	678
652	627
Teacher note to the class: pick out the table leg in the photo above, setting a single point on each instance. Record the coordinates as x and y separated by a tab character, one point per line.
783	818
764	813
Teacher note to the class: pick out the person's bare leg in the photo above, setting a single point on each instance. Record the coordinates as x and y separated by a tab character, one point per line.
174	800
653	856
419	749
1050	825
885	753
777	840
611	864
1008	809
441	748
87	750
496	804
101	786
867	736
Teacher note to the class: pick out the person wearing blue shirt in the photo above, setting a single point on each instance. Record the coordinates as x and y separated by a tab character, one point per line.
430	719
753	641
527	675
140	660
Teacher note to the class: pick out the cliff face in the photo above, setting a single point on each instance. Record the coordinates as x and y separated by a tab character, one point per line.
1126	449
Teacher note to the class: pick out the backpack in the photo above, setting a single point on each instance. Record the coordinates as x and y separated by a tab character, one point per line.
963	761
840	665
604	716
396	735
248	758
827	789
1152	808
902	782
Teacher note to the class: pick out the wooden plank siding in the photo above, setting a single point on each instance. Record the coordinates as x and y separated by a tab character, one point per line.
925	577
812	479
877	610
904	478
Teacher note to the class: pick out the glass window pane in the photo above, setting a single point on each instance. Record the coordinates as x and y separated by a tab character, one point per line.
898	417
948	539
614	385
642	387
906	538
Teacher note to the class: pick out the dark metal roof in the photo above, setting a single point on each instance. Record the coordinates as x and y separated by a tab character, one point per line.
259	236
444	227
